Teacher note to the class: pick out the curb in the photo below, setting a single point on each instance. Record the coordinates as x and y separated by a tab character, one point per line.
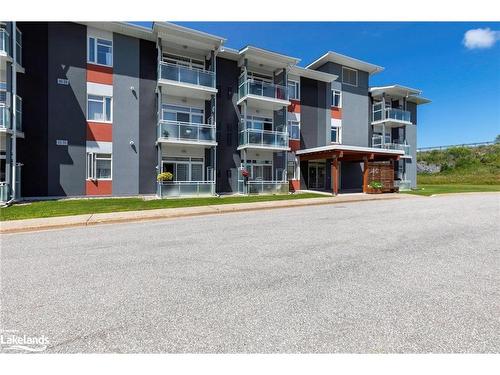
30	225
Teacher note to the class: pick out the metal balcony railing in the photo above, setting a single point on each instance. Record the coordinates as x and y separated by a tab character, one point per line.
185	188
185	74
186	131
262	89
263	138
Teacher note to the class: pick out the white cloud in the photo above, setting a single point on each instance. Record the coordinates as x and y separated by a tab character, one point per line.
480	38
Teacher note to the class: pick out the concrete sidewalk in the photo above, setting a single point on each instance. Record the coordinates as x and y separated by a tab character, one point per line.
170	213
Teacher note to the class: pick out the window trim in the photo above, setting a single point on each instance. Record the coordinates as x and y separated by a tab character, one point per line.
104	97
91	167
289	127
339	134
347	83
96	42
333	96
297	85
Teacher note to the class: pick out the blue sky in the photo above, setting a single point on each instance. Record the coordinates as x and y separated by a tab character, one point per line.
463	83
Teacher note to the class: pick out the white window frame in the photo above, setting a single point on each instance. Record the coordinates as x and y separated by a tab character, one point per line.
103	108
183	109
297	88
334	91
187	160
96	42
172	58
91	166
343	76
289	125
339	134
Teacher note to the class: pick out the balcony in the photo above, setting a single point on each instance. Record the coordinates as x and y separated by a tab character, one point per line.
263	139
378	141
263	95
184	81
185	189
186	133
390	115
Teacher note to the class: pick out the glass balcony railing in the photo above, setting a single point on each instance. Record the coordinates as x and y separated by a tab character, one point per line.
186	131
184	74
4	41
390	114
379	142
263	138
185	188
4	192
262	89
4	117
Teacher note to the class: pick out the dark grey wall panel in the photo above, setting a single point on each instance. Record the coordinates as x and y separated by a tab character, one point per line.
126	115
147	117
351	176
314	114
67	56
32	86
228	158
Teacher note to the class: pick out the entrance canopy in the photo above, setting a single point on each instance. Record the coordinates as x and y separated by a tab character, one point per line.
349	154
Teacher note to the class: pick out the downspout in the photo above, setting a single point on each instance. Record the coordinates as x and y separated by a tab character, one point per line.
14	110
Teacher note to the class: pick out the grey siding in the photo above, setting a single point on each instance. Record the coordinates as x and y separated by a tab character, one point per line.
66	108
355	106
147	118
228	158
32	86
314	114
126	115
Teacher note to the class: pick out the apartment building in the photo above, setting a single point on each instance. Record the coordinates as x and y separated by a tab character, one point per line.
107	106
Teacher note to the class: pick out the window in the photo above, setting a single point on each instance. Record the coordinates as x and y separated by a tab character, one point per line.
259	123
184	168
182	114
183	61
293	90
99	108
98	166
335	134
100	51
294	129
336	98
349	76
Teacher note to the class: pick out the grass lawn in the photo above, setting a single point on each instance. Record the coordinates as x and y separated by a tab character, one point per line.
424	189
100	205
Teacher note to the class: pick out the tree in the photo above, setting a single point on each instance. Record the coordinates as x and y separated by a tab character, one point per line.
497	139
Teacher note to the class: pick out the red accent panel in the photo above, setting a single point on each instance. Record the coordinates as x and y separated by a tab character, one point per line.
98	187
294	185
98	131
337	113
99	74
294	107
294	144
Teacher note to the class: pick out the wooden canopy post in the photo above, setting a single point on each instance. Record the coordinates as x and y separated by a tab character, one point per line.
335	175
365	174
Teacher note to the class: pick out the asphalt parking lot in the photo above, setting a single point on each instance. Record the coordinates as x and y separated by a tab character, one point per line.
412	275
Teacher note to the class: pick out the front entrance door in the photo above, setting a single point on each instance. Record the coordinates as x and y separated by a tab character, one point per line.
317	175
